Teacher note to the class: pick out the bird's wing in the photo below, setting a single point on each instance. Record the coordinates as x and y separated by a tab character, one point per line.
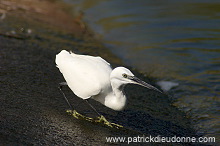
96	59
85	75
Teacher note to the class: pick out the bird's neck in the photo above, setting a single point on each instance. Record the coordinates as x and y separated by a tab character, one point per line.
117	100
118	91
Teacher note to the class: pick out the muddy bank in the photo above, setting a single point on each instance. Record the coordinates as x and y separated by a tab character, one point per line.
33	109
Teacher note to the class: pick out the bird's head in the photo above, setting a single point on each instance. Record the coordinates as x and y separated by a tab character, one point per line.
121	76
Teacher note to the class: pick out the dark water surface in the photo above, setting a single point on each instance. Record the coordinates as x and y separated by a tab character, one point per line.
176	41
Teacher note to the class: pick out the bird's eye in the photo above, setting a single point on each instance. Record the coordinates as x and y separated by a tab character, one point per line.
125	75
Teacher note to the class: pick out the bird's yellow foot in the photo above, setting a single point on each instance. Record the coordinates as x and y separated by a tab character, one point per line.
100	119
103	120
78	115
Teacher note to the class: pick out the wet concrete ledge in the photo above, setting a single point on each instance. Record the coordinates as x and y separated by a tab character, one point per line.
33	109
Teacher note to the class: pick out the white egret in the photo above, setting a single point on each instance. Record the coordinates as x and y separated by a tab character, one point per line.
92	77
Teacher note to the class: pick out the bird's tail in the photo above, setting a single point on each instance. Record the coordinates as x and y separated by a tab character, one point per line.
62	57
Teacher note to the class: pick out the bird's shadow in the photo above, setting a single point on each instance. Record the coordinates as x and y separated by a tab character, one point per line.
146	124
140	120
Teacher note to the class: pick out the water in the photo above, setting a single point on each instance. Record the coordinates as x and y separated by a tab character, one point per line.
176	41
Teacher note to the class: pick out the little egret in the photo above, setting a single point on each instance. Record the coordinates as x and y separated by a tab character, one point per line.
92	77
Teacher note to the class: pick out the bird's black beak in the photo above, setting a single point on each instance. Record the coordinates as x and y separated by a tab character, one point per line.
142	83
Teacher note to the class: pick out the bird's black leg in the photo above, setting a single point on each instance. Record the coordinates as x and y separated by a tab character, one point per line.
87	100
102	119
71	110
60	87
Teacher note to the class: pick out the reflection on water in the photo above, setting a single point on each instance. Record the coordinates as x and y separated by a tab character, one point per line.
170	40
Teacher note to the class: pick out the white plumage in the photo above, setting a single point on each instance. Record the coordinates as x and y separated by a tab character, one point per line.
93	77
